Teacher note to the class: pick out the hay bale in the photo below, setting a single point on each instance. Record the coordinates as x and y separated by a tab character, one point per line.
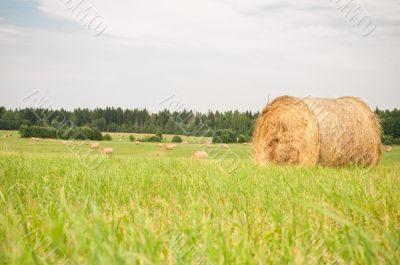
137	142
94	145
160	145
108	151
329	132
389	149
208	146
67	142
35	139
169	146
200	155
224	146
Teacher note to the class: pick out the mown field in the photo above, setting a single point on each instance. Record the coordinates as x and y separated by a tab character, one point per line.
145	205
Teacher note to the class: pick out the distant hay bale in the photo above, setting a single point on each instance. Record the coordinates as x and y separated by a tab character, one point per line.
224	146
169	146
329	132
94	145
108	151
137	142
208	145
201	155
389	149
160	145
67	142
184	142
35	139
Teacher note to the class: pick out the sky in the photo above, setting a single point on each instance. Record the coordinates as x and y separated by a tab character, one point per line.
206	54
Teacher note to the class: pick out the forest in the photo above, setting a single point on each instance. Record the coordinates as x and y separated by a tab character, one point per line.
186	122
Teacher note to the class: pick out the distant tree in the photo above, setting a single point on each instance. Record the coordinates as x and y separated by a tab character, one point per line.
100	124
159	134
224	136
170	126
107	137
241	139
176	139
113	127
153	138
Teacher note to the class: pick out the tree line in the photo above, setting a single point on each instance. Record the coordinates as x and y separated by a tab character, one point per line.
185	122
390	122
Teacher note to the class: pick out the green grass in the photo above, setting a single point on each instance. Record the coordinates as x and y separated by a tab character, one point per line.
124	137
138	207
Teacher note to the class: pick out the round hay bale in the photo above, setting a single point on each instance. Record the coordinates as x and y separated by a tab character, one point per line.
389	149
311	131
108	151
200	155
169	146
94	145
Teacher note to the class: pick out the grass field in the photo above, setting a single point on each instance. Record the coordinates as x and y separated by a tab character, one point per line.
144	205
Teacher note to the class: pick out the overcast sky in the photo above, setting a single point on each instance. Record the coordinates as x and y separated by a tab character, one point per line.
210	54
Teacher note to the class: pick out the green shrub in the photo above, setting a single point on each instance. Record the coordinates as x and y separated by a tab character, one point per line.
224	136
159	134
241	139
37	131
153	138
131	138
107	137
176	139
80	133
388	140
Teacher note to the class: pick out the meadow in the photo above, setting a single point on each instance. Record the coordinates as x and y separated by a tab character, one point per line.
146	205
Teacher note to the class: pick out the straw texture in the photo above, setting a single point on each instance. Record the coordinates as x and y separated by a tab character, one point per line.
311	131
